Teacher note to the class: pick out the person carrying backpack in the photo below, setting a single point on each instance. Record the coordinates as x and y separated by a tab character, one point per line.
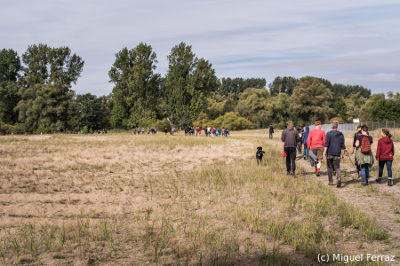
333	152
358	132
316	141
290	138
364	155
385	154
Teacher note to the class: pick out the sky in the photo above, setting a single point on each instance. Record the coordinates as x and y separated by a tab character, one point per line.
351	42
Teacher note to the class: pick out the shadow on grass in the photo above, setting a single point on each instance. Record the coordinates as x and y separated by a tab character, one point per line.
272	258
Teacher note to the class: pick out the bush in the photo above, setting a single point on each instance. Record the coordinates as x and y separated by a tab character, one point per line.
202	121
19	128
233	121
162	125
5	129
338	119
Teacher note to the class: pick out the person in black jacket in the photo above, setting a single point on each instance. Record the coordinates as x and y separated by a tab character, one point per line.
333	152
290	138
271	131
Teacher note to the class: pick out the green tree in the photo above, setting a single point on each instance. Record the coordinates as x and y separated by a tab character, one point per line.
373	103
45	89
202	83
282	85
386	110
232	121
353	105
236	86
10	66
347	90
106	106
377	107
136	91
217	104
252	105
311	100
278	112
339	107
202	121
187	84
89	112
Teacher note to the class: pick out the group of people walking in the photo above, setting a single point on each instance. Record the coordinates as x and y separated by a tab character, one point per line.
318	146
143	131
208	131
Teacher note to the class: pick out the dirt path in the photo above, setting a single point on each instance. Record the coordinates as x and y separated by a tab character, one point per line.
377	200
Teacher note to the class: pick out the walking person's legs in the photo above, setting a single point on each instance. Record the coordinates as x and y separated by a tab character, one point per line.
364	174
288	164
389	169
305	151
329	163
380	171
319	153
336	168
293	160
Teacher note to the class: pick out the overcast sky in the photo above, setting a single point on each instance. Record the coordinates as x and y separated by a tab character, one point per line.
345	41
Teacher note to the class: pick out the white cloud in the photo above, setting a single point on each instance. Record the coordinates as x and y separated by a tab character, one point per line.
385	77
343	40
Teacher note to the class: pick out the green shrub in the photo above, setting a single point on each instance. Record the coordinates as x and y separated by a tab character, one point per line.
162	125
5	128
202	121
233	121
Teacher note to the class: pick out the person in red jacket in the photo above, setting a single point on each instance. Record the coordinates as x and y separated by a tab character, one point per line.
316	142
385	154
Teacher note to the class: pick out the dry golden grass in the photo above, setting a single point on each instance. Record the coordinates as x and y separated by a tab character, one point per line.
123	199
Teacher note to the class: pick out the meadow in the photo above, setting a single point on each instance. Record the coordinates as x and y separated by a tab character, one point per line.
160	199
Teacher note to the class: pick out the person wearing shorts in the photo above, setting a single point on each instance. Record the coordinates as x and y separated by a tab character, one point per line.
316	142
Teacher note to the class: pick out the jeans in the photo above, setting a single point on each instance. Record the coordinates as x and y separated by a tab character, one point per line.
305	150
388	167
290	159
298	148
270	135
365	173
333	164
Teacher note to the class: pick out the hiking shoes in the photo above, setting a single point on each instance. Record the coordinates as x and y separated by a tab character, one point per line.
390	182
378	180
339	182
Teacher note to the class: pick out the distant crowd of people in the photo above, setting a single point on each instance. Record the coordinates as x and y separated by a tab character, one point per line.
208	131
318	146
189	131
143	131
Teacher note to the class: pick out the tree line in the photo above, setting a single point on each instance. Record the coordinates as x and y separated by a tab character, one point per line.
36	95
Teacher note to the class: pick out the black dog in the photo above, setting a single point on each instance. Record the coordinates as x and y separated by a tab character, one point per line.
259	155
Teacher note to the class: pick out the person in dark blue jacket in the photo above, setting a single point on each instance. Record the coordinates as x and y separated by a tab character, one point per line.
304	142
333	152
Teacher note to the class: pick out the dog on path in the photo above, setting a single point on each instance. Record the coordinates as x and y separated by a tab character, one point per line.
259	155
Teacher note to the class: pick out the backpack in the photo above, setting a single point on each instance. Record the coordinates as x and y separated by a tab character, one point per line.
365	145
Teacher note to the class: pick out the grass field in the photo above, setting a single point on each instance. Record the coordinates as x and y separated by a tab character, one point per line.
124	199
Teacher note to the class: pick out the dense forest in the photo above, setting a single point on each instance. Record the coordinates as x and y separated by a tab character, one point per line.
36	95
